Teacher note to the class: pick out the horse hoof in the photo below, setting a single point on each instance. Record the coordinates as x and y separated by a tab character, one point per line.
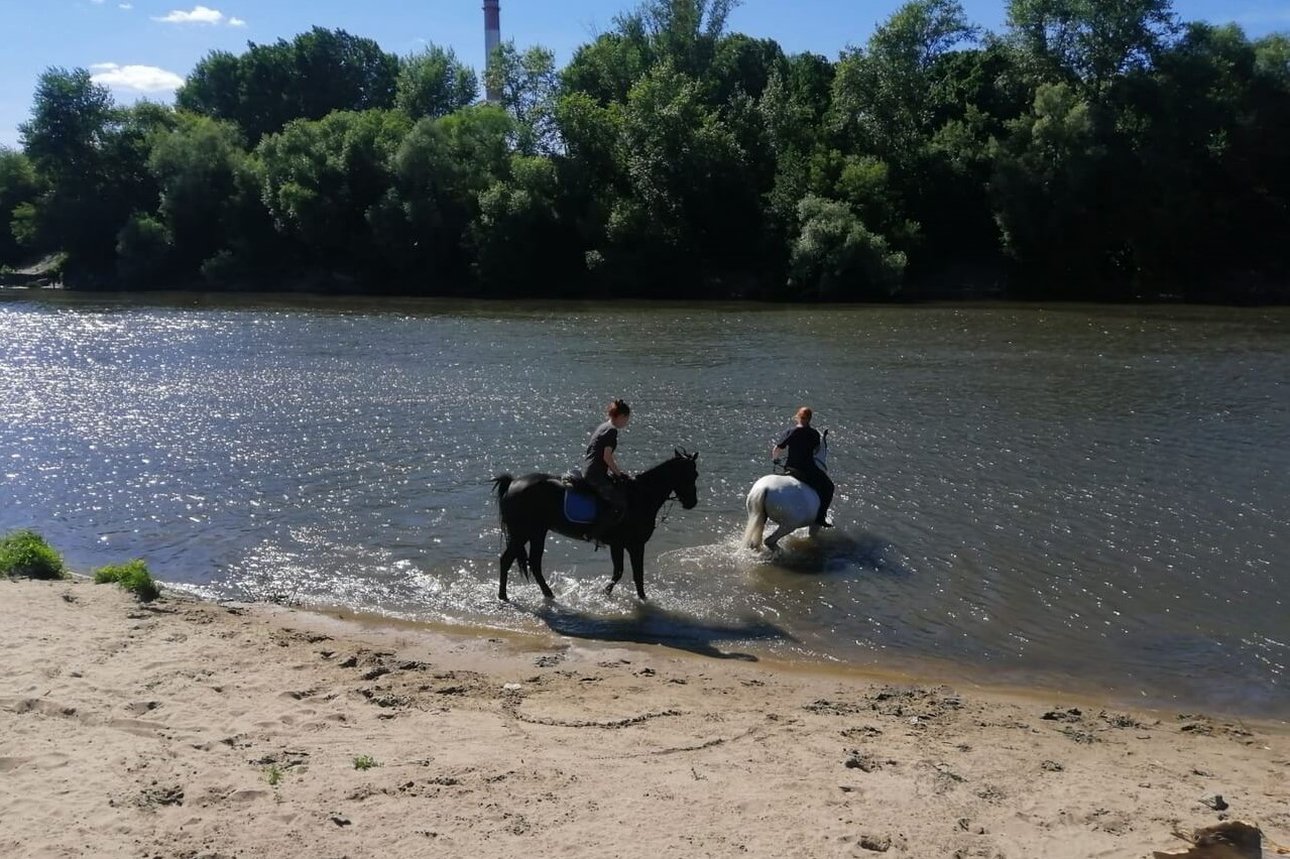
609	589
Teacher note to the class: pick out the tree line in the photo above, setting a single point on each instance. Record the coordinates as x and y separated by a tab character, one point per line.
1091	150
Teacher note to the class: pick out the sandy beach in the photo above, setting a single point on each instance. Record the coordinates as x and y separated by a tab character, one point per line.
191	729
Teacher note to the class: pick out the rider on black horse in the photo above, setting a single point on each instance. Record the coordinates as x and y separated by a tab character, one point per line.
801	442
601	470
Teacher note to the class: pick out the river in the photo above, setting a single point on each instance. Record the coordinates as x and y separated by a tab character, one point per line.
1091	498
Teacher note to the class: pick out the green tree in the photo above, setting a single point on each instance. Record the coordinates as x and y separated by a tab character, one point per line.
196	167
144	253
743	65
682	32
529	87
608	68
835	257
1050	193
214	87
439	172
1089	43
18	187
307	78
521	242
434	83
691	203
885	95
322	179
92	158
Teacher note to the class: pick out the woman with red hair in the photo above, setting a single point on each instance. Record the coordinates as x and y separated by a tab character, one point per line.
800	442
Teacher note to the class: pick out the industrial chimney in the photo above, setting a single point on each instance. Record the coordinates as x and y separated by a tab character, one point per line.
492	39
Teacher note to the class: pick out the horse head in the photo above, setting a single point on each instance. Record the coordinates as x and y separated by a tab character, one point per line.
685	471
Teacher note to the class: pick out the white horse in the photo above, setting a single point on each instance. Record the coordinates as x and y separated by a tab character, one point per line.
786	500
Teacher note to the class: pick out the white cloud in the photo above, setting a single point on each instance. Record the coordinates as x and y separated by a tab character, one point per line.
125	6
137	78
236	22
199	15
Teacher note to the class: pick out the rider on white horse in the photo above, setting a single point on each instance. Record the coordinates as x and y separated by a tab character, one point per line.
792	500
801	442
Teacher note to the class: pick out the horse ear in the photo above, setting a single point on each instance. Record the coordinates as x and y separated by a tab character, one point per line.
677	451
694	457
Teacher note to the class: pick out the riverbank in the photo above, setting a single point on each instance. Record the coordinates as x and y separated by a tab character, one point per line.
187	728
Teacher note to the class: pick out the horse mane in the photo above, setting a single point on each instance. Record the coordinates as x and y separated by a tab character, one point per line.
679	456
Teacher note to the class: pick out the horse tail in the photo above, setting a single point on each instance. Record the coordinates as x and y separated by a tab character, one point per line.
756	527
501	483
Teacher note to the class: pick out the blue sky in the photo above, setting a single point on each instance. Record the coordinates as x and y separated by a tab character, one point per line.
141	48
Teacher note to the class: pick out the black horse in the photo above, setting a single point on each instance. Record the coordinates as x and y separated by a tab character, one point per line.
534	504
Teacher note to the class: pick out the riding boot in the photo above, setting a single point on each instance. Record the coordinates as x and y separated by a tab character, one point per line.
609	517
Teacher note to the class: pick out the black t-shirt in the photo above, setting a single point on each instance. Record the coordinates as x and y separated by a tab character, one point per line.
604	438
802	443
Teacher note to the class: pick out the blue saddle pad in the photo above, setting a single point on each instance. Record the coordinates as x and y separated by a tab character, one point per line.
579	507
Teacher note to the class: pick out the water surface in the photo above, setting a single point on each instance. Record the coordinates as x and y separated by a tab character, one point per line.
1076	496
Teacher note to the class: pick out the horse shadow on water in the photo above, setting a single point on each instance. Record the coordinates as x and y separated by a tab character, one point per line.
649	624
836	553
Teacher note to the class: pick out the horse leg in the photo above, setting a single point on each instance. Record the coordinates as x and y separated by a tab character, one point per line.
637	553
536	546
772	542
616	553
514	549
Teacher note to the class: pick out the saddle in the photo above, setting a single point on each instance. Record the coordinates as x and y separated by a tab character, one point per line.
581	502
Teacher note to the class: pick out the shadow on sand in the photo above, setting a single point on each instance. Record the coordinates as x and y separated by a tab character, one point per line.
651	625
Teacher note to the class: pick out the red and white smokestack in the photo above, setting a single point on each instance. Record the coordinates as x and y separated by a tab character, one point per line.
492	39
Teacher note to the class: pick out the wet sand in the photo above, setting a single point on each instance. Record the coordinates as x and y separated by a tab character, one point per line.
193	729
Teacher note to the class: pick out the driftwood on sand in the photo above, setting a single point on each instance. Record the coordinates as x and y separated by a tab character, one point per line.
1232	839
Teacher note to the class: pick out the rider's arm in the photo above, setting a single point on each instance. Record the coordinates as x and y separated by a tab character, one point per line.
612	463
777	452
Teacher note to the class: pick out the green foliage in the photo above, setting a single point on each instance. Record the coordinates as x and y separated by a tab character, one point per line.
322	180
519	230
133	576
1093	150
365	762
1090	42
26	554
307	78
528	85
196	165
273	775
145	251
608	68
836	257
18	187
434	83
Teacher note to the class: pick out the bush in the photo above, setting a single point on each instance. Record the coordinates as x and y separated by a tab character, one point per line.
25	553
132	576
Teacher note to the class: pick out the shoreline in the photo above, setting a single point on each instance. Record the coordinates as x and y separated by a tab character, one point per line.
194	728
900	668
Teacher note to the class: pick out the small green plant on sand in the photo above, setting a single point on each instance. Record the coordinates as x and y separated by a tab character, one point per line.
25	553
365	762
133	576
274	775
